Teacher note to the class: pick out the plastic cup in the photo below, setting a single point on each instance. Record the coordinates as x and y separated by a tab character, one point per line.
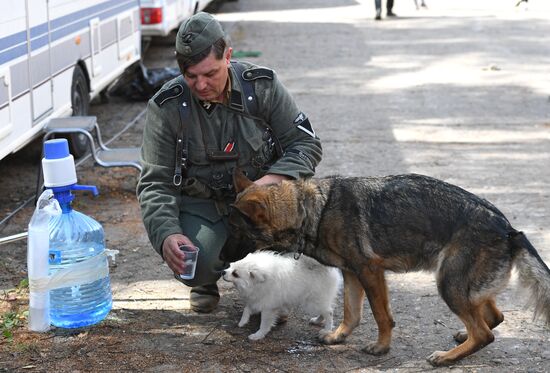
191	256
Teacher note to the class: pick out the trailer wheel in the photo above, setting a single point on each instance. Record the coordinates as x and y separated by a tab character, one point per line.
80	100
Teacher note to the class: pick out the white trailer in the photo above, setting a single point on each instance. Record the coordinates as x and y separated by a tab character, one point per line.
161	17
55	56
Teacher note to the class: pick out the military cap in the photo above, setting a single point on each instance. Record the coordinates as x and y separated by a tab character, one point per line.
198	33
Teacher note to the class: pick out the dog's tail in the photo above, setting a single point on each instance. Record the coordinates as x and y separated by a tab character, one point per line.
534	274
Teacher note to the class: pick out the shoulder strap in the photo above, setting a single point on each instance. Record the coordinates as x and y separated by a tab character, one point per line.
258	72
168	94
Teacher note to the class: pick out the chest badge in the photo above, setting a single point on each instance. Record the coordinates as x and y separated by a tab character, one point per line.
229	147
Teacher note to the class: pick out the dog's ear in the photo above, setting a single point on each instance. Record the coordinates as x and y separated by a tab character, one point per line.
256	276
240	181
254	210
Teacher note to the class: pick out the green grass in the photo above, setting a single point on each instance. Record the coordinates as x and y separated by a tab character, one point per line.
17	316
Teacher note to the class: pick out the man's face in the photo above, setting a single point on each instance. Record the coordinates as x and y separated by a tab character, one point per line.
208	78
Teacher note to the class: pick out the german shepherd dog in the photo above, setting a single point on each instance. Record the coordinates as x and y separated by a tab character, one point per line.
402	223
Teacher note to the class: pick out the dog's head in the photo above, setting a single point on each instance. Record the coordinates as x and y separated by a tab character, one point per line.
244	275
262	217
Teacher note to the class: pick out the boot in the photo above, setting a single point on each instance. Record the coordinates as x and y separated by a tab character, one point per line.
205	298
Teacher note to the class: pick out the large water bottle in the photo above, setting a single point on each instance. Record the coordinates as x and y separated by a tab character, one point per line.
77	258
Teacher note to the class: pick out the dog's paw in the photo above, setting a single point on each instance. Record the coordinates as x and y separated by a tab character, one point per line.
318	321
438	358
376	349
323	333
256	336
242	323
332	338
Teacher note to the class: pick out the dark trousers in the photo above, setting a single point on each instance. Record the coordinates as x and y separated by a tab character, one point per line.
378	5
207	230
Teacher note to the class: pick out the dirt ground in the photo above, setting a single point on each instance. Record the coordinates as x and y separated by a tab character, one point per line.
458	91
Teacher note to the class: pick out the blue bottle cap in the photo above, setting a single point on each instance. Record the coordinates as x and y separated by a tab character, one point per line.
56	149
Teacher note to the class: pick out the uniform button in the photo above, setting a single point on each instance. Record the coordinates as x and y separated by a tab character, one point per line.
249	74
250	98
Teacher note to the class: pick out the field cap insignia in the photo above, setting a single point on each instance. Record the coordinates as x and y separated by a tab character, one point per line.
198	33
188	37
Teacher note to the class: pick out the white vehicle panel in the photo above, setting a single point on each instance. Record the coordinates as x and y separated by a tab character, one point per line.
174	12
36	75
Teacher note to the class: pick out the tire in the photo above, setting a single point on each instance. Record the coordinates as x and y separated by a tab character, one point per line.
80	100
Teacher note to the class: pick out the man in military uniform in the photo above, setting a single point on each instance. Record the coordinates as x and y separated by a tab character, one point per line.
218	115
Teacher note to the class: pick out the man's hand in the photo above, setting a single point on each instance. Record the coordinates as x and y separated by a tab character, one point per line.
171	252
271	179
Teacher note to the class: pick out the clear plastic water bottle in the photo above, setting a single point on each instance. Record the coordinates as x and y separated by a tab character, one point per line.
74	238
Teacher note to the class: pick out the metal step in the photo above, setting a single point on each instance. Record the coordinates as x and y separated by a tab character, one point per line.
103	155
118	157
70	124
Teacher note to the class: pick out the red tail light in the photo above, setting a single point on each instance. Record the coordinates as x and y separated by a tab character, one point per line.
150	16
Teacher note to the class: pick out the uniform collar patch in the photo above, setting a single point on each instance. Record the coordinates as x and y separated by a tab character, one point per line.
208	106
